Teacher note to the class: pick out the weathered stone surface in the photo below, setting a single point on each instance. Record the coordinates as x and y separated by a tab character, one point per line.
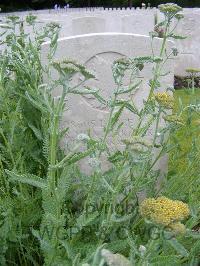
135	24
98	52
85	25
189	48
140	21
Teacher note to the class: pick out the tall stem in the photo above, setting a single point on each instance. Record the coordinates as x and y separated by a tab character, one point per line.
157	69
156	75
54	141
107	130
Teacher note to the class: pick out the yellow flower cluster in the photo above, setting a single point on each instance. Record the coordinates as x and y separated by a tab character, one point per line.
177	228
164	99
165	212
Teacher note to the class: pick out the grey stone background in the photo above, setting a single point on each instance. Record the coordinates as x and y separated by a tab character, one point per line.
137	21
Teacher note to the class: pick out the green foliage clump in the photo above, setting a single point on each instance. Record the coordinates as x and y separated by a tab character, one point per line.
51	213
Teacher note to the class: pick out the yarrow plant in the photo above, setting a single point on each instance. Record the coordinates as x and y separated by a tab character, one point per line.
170	9
164	99
51	212
165	212
174	119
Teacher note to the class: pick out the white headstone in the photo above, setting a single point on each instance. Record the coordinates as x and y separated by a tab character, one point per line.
135	24
189	48
98	52
85	25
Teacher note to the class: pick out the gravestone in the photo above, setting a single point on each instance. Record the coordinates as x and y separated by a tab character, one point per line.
136	24
98	52
84	25
140	21
188	48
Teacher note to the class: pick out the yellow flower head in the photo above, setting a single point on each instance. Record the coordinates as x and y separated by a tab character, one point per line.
164	211
177	228
164	99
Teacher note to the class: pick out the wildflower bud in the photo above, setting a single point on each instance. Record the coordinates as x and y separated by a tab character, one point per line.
169	9
140	66
157	59
93	162
179	16
177	228
142	250
165	100
83	137
174	51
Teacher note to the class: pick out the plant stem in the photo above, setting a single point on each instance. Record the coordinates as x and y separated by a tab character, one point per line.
54	142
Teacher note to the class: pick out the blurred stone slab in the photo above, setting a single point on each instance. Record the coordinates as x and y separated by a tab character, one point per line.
189	48
138	21
98	52
85	25
136	24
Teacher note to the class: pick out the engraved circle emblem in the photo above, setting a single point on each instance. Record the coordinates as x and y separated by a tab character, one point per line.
101	66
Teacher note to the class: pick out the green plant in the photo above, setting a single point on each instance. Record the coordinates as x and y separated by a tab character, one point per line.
193	72
52	213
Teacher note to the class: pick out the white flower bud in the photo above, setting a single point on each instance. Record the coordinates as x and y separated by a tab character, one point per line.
142	250
93	162
83	137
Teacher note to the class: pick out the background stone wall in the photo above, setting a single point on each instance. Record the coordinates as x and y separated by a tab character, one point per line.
78	21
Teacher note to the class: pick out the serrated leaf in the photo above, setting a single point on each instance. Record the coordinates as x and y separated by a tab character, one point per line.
36	104
130	88
71	159
178	247
85	91
28	179
78	156
36	131
5	26
116	116
130	106
117	156
85	219
124	218
177	37
164	260
68	249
